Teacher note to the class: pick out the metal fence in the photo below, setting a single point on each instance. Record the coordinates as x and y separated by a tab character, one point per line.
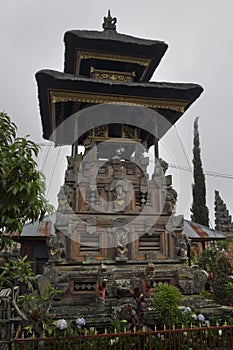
206	338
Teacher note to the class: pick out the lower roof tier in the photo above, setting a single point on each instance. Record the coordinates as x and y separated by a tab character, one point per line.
61	95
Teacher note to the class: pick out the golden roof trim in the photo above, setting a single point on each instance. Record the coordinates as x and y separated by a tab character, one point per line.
95	98
83	54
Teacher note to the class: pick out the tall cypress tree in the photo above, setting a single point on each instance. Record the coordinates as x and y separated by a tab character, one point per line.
200	212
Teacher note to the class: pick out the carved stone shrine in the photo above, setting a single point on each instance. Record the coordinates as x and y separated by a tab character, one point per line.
116	228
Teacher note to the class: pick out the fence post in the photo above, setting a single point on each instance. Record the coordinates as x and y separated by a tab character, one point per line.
150	343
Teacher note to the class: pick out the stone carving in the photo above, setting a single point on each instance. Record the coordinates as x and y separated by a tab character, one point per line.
223	220
182	243
120	193
192	280
101	288
147	286
122	240
90	150
69	193
129	132
199	281
91	225
74	164
119	169
109	22
158	176
139	157
56	245
123	288
185	280
163	164
119	203
101	131
63	204
150	256
43	284
50	272
90	257
171	197
110	171
66	198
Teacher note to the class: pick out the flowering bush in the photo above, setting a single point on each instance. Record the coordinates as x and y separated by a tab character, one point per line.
61	324
187	309
80	322
201	318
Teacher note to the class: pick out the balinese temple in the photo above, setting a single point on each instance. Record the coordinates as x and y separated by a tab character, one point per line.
116	232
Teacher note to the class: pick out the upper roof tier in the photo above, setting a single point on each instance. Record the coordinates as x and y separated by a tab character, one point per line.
85	50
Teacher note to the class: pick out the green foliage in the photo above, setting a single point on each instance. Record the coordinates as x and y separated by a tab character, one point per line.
208	258
226	244
15	271
218	261
118	326
34	307
222	284
200	212
166	302
37	308
206	294
22	186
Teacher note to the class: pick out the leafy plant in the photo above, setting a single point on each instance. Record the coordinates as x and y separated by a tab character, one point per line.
208	259
22	186
15	271
222	285
37	308
166	302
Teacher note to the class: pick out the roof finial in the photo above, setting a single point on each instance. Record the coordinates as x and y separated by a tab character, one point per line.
109	22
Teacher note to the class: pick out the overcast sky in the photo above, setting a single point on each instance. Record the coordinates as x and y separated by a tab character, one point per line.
200	38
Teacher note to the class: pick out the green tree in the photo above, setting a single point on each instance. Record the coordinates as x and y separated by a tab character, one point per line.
200	212
22	186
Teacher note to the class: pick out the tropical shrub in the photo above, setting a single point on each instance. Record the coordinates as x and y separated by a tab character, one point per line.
166	302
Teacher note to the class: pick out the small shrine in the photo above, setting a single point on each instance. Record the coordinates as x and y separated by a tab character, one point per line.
117	233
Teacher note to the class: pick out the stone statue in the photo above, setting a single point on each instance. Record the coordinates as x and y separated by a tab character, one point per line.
109	22
56	245
147	287
69	193
170	203
122	250
199	281
182	243
90	153
63	204
101	288
119	203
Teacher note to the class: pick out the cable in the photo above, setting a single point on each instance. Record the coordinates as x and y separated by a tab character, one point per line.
45	144
50	182
207	173
183	148
43	165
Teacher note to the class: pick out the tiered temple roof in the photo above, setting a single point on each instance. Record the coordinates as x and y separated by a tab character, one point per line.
109	67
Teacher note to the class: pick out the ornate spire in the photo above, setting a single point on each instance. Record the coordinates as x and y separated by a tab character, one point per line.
109	22
222	218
